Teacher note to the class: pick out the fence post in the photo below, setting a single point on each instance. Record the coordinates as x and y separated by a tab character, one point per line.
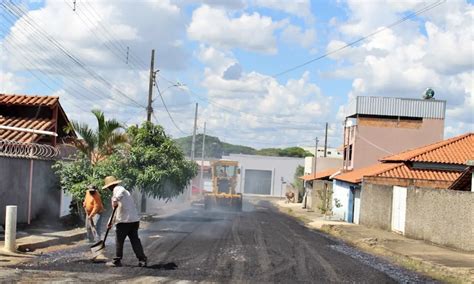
10	228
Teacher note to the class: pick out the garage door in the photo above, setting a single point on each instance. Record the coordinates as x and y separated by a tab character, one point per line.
258	182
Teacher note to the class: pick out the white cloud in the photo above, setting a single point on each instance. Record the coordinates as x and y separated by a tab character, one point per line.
257	106
10	83
295	35
300	8
404	60
216	27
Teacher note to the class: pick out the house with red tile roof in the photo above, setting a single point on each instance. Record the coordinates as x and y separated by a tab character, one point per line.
424	193
32	138
32	119
435	166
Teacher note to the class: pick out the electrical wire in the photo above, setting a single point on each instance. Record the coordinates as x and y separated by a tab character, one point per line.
19	12
76	88
166	108
404	19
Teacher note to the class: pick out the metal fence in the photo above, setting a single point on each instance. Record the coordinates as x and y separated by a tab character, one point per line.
15	149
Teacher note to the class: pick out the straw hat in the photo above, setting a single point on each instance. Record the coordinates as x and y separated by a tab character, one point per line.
110	180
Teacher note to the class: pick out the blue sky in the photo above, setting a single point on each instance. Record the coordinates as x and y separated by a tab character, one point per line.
225	53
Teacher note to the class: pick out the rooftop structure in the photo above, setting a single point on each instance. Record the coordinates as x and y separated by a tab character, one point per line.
379	126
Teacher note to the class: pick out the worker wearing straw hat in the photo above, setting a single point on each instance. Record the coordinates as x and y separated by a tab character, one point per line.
126	221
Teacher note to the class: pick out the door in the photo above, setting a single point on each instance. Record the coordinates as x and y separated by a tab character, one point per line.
399	205
356	205
258	182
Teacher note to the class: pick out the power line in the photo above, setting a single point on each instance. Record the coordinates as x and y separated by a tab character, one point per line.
140	64
404	19
57	66
19	12
166	108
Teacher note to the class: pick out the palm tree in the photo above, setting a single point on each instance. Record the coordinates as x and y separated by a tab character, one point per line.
98	144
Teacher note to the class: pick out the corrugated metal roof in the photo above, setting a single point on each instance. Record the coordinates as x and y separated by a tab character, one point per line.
388	106
456	150
28	100
20	136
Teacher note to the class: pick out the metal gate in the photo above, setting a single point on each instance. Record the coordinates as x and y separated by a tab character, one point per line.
399	209
258	182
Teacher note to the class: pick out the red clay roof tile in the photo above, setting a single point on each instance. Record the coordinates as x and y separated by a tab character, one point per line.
28	100
456	150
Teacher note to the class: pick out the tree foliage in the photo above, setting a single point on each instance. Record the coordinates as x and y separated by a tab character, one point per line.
286	152
99	143
150	162
155	164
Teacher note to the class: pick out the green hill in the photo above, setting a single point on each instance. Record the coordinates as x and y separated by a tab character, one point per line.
215	148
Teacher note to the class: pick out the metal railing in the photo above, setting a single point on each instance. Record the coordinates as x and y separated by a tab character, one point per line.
14	149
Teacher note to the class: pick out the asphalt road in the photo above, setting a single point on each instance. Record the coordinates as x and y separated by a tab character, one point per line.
257	245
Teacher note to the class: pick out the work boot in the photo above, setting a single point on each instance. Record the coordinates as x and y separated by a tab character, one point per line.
115	263
142	262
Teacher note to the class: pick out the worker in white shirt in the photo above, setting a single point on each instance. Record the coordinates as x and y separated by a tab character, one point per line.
126	222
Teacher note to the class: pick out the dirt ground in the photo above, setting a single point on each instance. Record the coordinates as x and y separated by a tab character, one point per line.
257	245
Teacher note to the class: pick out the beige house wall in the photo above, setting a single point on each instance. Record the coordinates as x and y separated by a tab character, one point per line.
378	138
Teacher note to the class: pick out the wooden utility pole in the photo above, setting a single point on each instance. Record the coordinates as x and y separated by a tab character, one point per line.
193	145
149	110
201	182
326	141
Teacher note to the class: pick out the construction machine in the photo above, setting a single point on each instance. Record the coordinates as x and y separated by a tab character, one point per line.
224	182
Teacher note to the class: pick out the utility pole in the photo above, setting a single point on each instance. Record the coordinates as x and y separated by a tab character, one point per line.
326	141
149	111
315	156
201	182
193	145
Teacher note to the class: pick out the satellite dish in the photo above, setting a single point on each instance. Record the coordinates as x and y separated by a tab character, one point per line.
428	94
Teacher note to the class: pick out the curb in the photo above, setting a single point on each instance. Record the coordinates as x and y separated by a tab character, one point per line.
23	247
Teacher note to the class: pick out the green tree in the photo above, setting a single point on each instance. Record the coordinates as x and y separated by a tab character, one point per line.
297	181
155	163
100	143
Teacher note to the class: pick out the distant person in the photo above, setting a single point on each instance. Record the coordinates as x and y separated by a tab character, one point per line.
94	208
126	222
222	173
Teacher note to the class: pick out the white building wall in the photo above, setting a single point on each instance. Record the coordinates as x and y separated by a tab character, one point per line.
281	167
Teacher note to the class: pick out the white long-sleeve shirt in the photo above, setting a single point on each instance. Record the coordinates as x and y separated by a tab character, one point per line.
126	210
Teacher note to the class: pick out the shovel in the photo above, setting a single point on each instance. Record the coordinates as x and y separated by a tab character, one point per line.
98	247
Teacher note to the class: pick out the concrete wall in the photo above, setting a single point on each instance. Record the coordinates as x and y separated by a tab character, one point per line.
321	189
281	167
14	189
322	164
445	217
391	137
376	206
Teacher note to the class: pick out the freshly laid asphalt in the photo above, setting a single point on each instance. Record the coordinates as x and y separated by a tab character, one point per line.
256	245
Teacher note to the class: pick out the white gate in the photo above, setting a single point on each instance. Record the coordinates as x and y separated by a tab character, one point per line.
356	206
399	209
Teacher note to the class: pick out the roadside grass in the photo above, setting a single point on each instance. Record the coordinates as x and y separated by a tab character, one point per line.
433	271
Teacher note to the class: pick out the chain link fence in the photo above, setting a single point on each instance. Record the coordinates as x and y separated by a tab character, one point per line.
15	149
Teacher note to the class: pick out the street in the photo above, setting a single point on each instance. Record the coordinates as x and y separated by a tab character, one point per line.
257	245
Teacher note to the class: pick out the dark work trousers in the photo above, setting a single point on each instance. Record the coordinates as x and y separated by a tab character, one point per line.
131	230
